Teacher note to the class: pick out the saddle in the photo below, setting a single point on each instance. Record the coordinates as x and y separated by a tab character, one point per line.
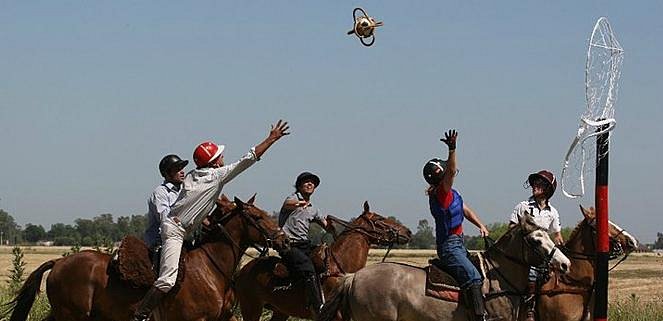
319	256
133	264
441	285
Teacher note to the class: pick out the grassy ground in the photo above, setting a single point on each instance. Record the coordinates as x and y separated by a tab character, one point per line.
635	288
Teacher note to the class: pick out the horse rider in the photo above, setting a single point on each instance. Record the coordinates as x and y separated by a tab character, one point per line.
295	217
200	189
448	210
163	197
543	184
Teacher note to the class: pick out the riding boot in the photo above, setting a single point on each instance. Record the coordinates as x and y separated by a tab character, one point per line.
149	302
314	294
531	301
477	302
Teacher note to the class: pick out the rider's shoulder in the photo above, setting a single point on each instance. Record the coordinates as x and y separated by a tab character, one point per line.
524	204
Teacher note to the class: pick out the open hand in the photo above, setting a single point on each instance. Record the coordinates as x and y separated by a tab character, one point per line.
450	139
279	130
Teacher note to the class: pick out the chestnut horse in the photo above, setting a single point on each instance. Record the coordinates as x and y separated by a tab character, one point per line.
393	291
255	281
569	297
80	286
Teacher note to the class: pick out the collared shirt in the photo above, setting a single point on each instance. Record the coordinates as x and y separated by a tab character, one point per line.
201	188
296	222
158	207
546	218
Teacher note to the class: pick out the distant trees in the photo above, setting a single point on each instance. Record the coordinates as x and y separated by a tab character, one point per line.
659	241
98	231
9	230
424	238
34	233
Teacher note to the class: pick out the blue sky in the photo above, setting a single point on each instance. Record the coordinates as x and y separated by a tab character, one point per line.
92	95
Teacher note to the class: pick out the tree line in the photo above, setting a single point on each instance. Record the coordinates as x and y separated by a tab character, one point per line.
98	231
103	230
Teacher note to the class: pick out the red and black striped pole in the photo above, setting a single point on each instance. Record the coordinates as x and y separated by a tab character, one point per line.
603	246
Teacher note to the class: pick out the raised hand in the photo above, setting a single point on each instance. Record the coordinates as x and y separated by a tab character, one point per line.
279	130
450	139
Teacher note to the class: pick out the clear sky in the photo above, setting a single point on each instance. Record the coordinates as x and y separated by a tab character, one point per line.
93	94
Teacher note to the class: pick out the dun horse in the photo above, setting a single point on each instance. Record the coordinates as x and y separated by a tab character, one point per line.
257	285
82	287
568	297
391	291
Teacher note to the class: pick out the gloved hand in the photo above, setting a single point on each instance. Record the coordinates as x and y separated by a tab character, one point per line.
450	139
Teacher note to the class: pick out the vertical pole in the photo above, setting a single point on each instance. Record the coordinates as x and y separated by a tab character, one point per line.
603	246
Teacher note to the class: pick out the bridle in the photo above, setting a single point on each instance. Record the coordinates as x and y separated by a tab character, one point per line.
269	238
616	248
380	232
526	244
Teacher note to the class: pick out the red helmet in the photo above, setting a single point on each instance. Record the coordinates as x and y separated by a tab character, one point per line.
549	177
206	152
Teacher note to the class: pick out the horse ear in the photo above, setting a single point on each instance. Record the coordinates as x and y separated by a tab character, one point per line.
224	198
588	213
526	222
239	203
366	207
252	199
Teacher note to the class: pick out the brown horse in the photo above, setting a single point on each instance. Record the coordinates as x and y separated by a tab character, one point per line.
80	286
568	297
257	285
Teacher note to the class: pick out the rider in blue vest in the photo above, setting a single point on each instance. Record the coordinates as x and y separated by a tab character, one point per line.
448	210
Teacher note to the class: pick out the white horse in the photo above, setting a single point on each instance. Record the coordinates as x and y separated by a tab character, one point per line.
396	292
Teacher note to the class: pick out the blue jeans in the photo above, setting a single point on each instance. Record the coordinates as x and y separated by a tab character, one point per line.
453	254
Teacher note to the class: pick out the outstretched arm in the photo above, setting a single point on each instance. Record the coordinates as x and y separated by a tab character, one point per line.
448	178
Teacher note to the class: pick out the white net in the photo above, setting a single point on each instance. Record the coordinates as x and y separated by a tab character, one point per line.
602	71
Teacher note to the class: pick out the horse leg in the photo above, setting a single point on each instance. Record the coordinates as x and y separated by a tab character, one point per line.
49	317
251	312
278	316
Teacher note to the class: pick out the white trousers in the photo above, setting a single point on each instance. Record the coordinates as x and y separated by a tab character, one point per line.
172	236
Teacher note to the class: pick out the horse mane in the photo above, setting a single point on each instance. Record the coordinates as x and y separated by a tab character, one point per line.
576	230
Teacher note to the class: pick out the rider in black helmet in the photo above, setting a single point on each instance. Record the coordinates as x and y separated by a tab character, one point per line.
163	197
449	211
296	216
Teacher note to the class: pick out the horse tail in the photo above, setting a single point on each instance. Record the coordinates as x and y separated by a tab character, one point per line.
20	306
338	302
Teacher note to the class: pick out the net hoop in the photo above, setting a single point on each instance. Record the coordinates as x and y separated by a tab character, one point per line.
601	83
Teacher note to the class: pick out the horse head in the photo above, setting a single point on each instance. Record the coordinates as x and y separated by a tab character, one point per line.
621	242
381	230
537	248
258	227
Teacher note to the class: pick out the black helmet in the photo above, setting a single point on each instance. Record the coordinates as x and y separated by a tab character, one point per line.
171	162
306	176
434	171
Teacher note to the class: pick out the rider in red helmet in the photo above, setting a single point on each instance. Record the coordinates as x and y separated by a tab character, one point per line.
200	189
543	184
